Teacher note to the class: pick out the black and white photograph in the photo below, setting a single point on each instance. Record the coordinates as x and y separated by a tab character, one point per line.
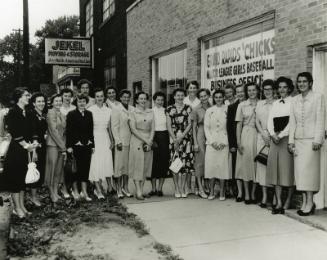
163	129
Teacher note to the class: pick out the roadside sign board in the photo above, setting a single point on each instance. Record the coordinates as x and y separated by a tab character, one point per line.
69	52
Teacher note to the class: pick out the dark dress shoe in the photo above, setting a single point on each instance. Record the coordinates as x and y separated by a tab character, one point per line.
262	205
276	211
159	193
248	202
239	199
152	193
299	212
254	201
311	212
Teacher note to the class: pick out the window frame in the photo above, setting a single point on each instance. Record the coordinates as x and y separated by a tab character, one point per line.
89	18
108	10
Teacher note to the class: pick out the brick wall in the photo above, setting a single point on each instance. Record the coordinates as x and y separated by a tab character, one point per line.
156	26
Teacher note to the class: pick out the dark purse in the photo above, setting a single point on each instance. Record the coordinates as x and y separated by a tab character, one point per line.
70	165
262	156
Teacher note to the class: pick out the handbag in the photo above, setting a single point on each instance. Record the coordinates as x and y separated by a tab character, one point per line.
262	156
70	165
176	164
32	175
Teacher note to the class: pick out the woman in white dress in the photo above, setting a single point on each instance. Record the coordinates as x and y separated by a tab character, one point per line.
217	151
101	169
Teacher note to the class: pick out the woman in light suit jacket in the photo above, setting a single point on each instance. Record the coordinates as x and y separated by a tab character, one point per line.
122	136
307	130
56	149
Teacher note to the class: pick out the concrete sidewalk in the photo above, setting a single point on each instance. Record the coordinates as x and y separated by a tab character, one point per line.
202	229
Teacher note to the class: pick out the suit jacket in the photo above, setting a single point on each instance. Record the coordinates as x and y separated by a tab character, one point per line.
80	128
120	125
56	129
231	124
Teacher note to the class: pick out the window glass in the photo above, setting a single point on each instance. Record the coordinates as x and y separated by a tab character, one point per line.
170	72
108	9
110	72
89	18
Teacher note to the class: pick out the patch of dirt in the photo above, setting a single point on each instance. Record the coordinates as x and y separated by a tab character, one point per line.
79	230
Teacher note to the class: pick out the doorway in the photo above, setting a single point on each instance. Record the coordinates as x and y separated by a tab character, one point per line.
319	73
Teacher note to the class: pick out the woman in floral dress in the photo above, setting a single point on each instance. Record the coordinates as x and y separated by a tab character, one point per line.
179	127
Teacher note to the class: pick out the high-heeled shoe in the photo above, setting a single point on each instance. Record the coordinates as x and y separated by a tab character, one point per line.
127	194
276	211
239	199
311	212
21	216
139	197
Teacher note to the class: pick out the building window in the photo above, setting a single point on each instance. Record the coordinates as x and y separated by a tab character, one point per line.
169	72
89	18
110	72
108	9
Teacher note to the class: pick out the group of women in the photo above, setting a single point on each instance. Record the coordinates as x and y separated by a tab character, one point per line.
215	137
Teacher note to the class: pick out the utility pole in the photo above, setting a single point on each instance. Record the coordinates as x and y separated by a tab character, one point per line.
18	31
26	44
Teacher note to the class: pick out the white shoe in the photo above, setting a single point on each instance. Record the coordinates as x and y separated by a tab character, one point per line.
222	198
211	197
203	195
184	195
97	194
75	196
178	195
83	196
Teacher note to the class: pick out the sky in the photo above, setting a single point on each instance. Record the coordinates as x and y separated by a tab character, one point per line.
39	11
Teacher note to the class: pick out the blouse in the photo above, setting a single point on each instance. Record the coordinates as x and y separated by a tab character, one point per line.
307	118
193	104
215	125
262	112
160	119
280	108
246	113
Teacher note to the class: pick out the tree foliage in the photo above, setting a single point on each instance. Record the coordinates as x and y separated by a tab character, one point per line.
65	26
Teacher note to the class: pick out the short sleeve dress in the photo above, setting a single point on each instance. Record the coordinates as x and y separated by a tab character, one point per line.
245	165
179	122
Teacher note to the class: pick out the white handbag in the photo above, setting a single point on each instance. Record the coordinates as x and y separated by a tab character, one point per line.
32	175
176	164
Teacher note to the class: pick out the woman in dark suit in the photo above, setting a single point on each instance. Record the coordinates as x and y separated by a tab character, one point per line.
38	121
15	166
80	142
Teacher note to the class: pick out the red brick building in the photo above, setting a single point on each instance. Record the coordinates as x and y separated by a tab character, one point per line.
217	41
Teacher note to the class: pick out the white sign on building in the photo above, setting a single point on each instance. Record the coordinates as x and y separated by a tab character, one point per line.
250	59
69	52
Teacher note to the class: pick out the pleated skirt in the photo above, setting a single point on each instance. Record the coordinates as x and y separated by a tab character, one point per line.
280	166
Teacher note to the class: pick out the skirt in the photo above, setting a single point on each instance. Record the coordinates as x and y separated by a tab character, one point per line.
101	161
245	165
200	155
140	162
121	161
83	160
217	163
306	166
54	167
280	166
161	158
15	168
261	172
